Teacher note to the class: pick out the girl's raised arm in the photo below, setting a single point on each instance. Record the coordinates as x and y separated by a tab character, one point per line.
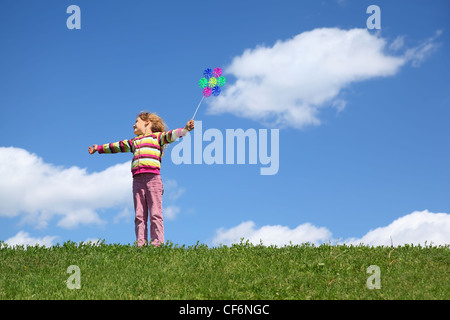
172	135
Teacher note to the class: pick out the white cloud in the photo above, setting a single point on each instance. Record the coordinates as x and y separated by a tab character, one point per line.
397	44
37	191
93	241
272	235
289	83
172	191
421	52
415	228
170	212
24	238
125	215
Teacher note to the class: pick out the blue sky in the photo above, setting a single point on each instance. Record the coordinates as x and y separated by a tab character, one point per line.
362	119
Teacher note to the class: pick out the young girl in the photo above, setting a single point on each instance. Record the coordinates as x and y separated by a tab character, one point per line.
147	147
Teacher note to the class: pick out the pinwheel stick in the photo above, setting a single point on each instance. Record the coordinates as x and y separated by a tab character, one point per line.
198	107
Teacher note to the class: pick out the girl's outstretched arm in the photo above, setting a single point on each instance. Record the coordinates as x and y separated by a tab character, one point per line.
120	146
93	149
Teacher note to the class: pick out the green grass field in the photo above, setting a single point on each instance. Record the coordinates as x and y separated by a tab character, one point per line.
242	271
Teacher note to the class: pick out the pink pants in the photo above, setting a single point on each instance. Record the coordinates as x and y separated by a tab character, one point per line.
147	195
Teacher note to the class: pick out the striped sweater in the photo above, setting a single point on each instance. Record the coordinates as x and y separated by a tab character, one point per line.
147	149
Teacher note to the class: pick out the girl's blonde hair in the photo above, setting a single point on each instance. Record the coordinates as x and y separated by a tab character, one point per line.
158	124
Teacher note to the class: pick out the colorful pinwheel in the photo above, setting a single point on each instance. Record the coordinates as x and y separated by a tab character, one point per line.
210	83
212	79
